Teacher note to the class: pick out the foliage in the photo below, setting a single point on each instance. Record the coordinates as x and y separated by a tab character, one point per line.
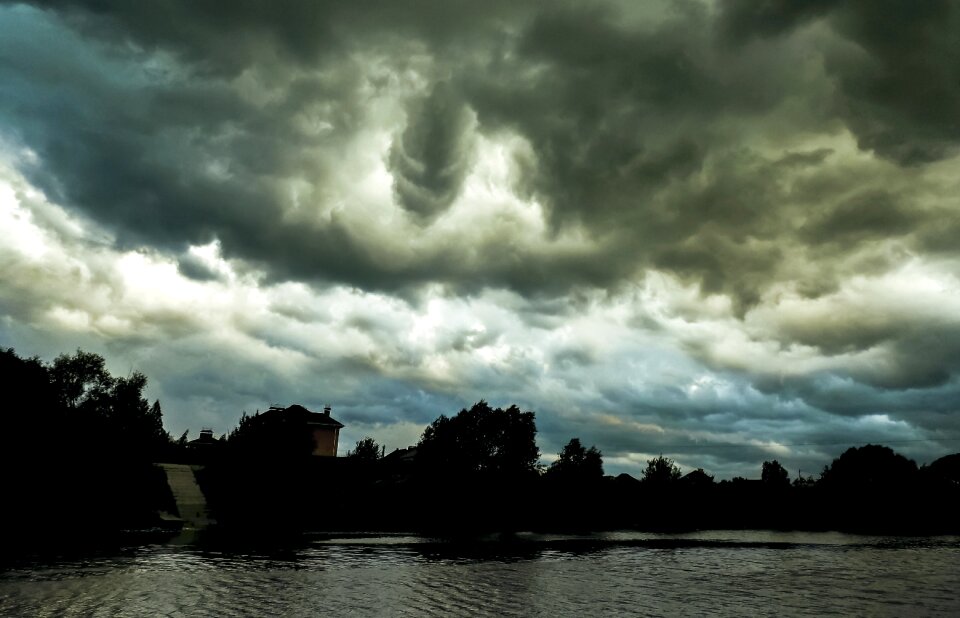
481	440
155	420
26	386
273	434
112	408
774	475
661	471
869	466
81	381
366	449
63	421
80	408
946	468
575	462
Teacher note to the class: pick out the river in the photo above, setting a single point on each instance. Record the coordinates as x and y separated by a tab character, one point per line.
706	573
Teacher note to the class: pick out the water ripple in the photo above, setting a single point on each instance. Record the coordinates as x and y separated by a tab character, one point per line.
720	574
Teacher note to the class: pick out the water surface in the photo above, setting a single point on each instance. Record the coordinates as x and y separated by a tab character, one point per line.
711	573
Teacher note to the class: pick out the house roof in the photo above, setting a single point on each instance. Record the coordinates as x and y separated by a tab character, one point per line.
206	438
313	419
697	477
402	454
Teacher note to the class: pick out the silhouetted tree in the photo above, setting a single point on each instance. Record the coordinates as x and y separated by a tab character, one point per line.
107	414
155	420
271	436
26	387
946	468
575	462
482	440
660	471
131	417
366	449
242	427
774	475
869	466
72	416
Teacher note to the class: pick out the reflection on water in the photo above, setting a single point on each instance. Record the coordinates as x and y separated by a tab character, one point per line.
715	573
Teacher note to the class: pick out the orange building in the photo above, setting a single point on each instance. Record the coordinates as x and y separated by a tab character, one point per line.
323	428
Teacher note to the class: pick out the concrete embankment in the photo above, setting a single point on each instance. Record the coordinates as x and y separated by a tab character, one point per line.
191	503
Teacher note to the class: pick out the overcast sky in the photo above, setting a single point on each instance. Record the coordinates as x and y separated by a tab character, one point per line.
721	231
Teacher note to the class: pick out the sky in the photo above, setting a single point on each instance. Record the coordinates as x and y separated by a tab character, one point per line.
724	232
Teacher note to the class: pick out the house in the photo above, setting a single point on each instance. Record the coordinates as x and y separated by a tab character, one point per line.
205	442
399	465
401	458
697	479
205	448
322	428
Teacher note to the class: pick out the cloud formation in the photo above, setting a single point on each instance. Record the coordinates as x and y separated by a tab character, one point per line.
727	225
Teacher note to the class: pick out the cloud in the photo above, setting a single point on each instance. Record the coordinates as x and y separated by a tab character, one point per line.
658	225
894	64
431	158
321	157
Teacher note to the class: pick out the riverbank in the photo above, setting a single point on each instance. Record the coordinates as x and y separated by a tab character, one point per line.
102	503
341	495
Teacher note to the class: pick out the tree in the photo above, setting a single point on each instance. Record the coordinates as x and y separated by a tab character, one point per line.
272	436
774	475
81	381
26	387
946	468
575	462
661	471
70	417
106	414
366	449
131	415
155	419
869	466
481	440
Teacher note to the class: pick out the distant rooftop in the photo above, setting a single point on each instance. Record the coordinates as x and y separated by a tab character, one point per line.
316	419
206	437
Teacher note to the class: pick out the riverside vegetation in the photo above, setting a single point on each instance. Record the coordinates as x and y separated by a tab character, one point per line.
79	447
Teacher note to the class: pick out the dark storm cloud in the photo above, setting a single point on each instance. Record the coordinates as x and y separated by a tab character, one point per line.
194	268
902	99
871	214
708	142
742	20
432	157
898	75
172	160
220	39
630	124
136	148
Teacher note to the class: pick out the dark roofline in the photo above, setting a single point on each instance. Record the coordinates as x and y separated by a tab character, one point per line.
311	418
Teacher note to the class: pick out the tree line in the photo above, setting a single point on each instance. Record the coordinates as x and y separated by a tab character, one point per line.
74	405
481	469
77	446
78	443
485	440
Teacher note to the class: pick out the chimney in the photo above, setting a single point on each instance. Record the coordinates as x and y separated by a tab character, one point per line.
326	410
